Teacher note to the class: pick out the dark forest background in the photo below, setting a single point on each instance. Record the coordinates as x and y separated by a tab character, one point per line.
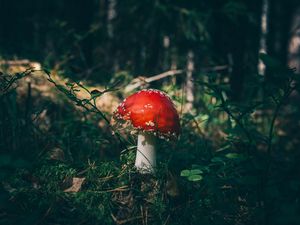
145	37
231	67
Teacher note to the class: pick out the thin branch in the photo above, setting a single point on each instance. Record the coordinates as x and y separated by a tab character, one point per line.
236	119
15	62
87	105
275	115
9	82
142	80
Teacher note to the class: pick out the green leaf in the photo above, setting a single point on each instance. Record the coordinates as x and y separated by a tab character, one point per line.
195	178
196	172
232	155
96	92
47	72
223	148
69	84
185	173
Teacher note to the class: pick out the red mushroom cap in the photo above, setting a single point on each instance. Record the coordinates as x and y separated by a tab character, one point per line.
152	111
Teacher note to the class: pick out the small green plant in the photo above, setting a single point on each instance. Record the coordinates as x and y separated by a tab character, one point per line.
246	160
192	175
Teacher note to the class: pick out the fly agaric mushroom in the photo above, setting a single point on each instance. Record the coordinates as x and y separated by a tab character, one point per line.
152	113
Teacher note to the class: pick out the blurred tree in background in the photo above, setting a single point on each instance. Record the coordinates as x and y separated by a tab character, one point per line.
95	39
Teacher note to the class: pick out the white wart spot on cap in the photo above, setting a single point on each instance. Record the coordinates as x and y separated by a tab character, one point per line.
150	123
148	106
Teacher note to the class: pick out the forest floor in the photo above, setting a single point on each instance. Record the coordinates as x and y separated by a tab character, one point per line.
62	164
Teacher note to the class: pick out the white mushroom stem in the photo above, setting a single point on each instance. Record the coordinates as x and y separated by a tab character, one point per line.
145	160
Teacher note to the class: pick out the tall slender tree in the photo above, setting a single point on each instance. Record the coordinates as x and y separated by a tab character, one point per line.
294	43
189	81
264	33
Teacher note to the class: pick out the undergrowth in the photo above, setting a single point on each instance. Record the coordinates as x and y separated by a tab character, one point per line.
229	166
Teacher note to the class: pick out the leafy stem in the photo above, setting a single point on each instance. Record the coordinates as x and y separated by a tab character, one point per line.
8	81
279	104
88	104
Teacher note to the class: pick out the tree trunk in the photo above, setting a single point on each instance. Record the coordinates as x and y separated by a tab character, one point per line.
294	43
111	14
189	82
264	32
166	59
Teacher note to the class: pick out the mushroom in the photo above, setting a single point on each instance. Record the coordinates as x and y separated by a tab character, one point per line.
152	113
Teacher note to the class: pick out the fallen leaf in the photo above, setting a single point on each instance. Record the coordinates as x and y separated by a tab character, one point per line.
76	184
